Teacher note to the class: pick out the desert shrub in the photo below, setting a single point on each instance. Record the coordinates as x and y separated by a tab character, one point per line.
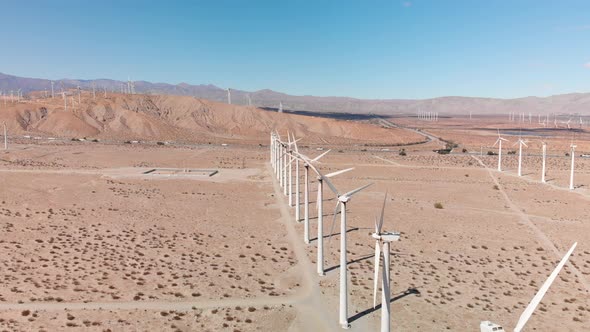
402	152
491	153
496	187
438	205
464	150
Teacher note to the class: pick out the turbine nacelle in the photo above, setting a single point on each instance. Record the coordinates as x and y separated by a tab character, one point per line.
387	236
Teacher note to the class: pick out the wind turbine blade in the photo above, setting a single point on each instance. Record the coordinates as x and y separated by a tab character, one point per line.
331	186
523	143
333	223
376	276
295	143
537	299
498	140
317	171
320	156
352	192
382	213
338	172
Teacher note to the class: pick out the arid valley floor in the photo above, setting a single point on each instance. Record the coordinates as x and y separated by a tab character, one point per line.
90	242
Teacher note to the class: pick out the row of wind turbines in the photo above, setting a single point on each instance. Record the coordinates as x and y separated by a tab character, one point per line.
544	120
522	143
285	154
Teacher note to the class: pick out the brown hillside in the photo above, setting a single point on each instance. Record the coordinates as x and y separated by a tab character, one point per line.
180	118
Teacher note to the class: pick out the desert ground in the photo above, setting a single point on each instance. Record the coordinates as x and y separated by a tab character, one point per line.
91	242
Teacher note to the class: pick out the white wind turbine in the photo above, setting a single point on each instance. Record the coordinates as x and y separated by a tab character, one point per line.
487	326
291	144
573	154
382	240
320	213
520	143
544	149
307	163
342	201
320	210
499	142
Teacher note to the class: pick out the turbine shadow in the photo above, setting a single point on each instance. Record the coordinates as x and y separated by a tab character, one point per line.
409	291
350	262
352	229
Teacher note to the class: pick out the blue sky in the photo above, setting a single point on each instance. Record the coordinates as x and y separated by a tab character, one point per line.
365	49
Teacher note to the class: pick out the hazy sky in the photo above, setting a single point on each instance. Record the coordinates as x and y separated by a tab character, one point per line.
365	49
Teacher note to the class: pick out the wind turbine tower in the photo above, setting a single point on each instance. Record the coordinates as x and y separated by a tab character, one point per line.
573	154
383	240
342	201
499	142
544	157
280	107
52	95
229	96
520	143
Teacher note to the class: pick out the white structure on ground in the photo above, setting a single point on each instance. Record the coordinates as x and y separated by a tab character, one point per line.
382	242
342	201
499	142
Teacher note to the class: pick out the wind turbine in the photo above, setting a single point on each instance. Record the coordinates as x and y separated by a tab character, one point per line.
320	211
382	240
499	142
307	163
573	154
291	160
520	143
229	96
544	149
342	201
487	326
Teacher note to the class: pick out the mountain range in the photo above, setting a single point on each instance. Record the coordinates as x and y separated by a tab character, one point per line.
573	103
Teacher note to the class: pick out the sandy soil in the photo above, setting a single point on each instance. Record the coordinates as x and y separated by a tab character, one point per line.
89	242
